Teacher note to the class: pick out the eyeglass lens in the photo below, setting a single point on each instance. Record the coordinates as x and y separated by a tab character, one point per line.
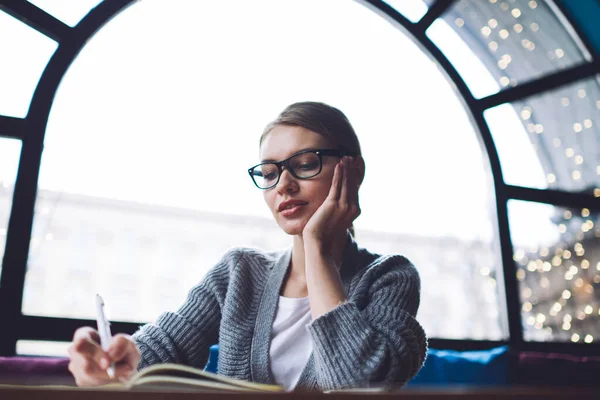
305	165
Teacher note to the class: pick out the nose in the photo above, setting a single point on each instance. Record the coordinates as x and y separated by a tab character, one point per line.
287	183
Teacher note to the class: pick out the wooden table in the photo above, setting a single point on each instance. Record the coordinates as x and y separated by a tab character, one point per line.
31	393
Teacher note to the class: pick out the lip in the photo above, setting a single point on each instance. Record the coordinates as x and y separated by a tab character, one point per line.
290	207
290	212
289	203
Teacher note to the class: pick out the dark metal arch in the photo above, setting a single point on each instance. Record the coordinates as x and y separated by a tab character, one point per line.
31	131
476	116
21	219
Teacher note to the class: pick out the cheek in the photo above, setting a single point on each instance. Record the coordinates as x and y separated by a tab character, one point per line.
269	199
319	190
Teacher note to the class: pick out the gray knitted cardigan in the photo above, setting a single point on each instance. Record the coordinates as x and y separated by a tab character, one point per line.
371	339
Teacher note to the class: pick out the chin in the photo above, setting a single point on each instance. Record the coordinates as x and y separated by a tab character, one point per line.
292	228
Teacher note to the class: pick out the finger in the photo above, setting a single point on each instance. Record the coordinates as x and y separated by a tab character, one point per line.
344	195
86	348
87	372
119	347
87	332
355	183
124	371
335	183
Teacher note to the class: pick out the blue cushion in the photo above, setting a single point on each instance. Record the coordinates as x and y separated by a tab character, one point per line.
451	367
443	367
213	359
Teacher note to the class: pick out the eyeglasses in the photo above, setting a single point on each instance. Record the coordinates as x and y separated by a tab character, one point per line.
302	165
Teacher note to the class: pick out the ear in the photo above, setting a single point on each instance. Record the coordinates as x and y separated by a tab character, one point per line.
360	169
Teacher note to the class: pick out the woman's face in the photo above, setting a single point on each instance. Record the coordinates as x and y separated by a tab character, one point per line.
307	195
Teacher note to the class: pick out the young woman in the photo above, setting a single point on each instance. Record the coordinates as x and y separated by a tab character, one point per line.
323	315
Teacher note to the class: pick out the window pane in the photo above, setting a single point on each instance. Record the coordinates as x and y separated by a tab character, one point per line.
68	11
515	42
126	210
413	10
552	139
24	53
42	348
10	151
557	253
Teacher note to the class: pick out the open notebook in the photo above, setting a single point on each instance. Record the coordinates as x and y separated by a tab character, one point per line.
176	376
160	377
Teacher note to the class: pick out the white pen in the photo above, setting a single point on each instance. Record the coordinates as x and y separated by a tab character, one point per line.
104	331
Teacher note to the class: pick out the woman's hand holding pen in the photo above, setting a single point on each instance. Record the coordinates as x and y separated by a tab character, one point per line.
89	363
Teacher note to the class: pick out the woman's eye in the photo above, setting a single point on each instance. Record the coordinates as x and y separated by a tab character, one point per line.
270	176
307	166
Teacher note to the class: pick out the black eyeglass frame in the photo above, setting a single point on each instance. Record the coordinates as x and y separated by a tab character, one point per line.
285	163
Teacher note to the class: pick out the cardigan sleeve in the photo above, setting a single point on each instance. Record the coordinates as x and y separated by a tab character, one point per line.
373	339
186	335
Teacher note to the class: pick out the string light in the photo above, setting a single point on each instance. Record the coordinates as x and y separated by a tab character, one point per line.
539	128
589	338
589	289
556	261
547	266
569	152
541	272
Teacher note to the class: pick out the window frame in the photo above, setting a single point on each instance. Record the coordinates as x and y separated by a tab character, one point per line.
31	130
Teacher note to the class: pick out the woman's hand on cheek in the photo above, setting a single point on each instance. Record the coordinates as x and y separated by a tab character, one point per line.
339	209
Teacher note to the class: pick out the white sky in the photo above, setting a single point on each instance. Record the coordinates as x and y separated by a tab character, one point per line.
162	95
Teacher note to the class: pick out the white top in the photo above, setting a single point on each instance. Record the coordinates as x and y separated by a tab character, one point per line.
291	344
